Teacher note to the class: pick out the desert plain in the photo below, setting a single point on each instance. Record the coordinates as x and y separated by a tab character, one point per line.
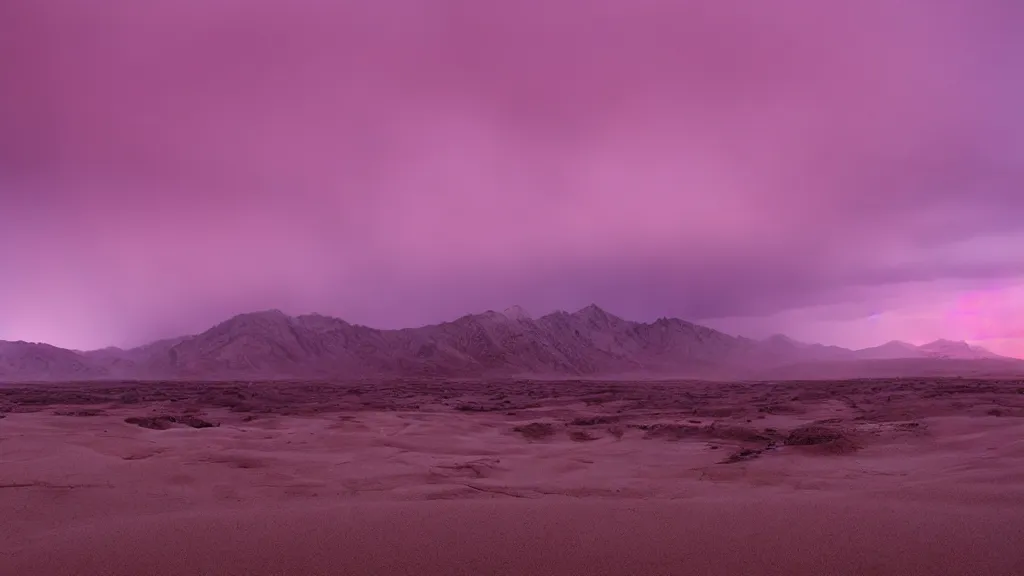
908	476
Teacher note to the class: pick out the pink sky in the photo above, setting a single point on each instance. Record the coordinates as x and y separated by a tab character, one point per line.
843	172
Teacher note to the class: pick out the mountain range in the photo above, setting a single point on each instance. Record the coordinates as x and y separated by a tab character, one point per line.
587	343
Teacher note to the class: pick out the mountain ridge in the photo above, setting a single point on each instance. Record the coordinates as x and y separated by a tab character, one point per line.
589	342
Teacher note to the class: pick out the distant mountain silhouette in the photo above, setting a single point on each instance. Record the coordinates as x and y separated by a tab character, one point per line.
955	350
587	343
891	350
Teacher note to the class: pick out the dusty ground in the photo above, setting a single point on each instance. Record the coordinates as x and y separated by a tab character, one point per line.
513	477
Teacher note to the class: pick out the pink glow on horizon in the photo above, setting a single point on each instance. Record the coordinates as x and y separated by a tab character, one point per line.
918	313
164	165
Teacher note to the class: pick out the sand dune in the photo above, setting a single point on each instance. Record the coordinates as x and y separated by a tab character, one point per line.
513	477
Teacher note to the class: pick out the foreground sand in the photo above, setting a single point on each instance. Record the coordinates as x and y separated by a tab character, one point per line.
873	477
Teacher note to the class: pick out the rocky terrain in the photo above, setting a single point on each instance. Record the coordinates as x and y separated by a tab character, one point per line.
588	342
913	476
